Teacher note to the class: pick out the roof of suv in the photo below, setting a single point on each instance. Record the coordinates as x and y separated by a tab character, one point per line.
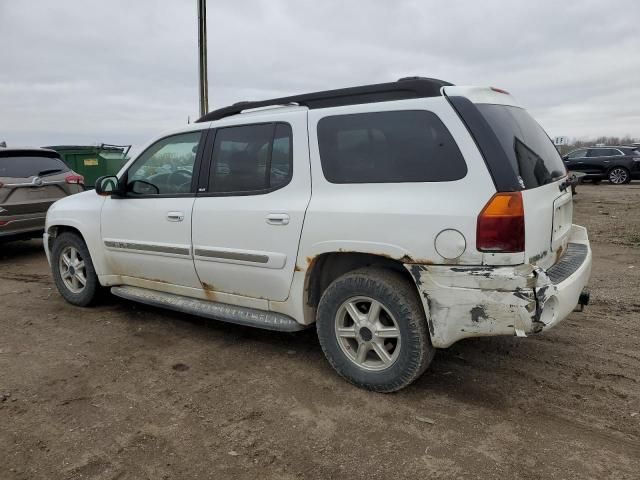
618	147
405	88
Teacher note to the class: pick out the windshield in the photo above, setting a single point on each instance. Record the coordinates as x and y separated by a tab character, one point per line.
24	167
529	149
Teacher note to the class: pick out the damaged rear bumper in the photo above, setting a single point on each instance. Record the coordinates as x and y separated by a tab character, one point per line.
473	301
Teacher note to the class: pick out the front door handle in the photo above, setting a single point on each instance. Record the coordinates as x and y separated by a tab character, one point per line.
175	216
278	219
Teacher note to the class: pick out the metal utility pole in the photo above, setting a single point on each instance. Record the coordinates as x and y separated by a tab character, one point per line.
202	56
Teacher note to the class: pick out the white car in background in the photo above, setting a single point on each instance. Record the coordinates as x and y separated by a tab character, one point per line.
398	217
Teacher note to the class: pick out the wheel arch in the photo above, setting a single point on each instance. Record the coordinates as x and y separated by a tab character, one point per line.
324	268
54	231
90	238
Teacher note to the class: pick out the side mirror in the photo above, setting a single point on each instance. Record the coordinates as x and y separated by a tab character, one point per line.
108	185
140	187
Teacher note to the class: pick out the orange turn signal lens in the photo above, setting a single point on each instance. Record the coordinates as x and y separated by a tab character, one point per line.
501	204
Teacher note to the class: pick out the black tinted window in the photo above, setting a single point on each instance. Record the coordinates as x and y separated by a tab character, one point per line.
601	152
281	156
24	167
387	147
530	151
251	158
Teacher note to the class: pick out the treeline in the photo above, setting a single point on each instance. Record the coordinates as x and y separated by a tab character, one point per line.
626	140
590	142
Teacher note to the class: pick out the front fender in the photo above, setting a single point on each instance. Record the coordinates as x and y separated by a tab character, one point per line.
80	212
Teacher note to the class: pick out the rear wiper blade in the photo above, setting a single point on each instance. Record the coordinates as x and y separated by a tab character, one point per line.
51	170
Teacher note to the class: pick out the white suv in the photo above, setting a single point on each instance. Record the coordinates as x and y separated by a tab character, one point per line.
398	217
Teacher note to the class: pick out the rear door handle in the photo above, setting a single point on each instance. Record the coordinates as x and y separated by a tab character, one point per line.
175	216
278	219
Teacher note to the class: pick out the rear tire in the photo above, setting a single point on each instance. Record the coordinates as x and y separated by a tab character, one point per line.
373	330
73	271
619	176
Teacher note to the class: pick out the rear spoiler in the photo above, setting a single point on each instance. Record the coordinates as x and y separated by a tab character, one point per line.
29	152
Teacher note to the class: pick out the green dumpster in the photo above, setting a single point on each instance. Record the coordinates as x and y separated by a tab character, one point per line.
93	161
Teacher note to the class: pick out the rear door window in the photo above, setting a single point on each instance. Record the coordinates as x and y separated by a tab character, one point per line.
251	158
602	152
388	147
577	154
31	166
529	149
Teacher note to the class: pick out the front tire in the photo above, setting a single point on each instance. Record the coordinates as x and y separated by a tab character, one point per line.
73	271
373	330
619	176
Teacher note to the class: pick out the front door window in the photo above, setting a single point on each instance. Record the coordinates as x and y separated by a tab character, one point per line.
165	168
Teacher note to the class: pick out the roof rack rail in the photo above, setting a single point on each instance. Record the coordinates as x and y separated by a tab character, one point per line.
405	88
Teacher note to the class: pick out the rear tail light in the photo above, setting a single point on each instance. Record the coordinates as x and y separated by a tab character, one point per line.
74	179
501	224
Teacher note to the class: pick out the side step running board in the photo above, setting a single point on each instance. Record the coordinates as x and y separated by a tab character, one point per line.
218	311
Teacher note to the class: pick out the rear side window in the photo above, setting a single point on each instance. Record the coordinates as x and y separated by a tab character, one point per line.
388	147
604	152
251	158
25	167
531	153
600	152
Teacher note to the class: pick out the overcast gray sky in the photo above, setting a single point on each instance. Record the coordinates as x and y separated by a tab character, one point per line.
121	71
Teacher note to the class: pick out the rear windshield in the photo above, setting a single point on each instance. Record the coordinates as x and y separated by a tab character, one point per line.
531	153
25	167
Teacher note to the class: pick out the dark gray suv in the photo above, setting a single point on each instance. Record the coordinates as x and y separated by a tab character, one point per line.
617	164
31	179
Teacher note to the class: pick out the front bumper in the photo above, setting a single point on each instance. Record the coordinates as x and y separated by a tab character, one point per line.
472	301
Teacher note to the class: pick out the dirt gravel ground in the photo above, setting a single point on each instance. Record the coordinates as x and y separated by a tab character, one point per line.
125	391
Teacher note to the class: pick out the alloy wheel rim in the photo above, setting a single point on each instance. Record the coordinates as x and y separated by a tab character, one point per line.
618	176
72	269
368	334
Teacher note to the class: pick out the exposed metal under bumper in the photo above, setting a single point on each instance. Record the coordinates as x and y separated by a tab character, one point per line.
217	311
